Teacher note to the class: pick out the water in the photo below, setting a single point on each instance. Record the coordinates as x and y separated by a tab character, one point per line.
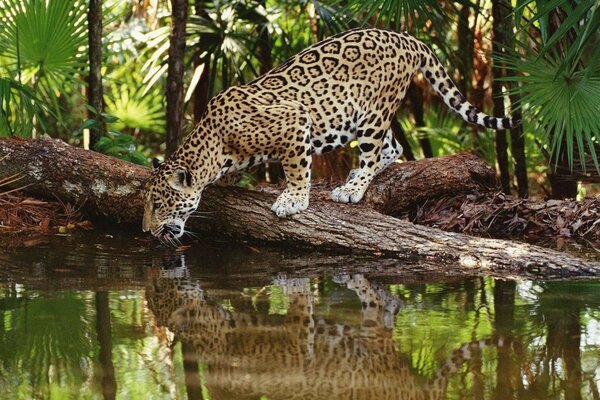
97	316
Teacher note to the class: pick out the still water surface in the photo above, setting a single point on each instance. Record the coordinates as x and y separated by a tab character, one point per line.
98	316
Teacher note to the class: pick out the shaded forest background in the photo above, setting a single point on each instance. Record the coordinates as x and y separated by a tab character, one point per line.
138	74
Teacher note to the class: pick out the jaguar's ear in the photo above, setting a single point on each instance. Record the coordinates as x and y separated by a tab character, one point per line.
155	162
181	179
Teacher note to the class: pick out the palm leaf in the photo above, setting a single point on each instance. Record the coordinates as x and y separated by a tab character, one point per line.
395	13
566	107
44	43
19	106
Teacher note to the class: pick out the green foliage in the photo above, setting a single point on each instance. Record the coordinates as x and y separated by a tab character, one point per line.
44	42
18	107
226	36
116	144
441	126
566	107
559	73
395	13
219	36
134	109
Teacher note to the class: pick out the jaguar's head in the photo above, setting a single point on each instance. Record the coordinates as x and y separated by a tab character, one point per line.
171	195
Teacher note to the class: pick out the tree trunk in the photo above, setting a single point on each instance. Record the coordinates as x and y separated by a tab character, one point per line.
517	146
95	95
264	45
202	90
503	31
175	75
562	180
109	188
416	104
500	8
400	136
465	44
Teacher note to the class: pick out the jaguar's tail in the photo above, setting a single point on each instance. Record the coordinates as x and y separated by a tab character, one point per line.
442	84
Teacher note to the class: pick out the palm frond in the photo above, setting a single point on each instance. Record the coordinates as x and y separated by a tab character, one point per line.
134	109
44	42
19	106
395	13
565	105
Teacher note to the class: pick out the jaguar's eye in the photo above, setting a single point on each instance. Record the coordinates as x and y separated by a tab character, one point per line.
155	205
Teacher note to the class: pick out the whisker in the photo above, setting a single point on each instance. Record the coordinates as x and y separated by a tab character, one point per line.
171	241
192	234
177	242
204	212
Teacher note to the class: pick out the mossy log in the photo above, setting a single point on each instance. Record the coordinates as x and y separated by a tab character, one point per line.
109	189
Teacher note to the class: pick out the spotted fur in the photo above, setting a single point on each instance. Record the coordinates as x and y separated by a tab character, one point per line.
344	88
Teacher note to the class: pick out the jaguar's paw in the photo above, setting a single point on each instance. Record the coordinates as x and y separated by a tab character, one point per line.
289	204
348	193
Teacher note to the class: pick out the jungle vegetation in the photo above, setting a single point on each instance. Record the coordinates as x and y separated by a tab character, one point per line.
69	66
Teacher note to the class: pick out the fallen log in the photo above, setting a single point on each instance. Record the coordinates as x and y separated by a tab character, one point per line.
109	188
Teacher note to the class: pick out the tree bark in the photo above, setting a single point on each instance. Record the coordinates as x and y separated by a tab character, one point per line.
400	136
95	94
562	179
503	31
264	44
465	44
202	90
415	95
175	75
500	29
517	146
109	188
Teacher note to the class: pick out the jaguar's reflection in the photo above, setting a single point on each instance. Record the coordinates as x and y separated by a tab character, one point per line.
296	355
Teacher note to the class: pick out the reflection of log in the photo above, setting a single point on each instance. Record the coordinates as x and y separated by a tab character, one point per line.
110	188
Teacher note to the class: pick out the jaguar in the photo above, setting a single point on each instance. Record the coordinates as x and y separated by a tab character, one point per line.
344	88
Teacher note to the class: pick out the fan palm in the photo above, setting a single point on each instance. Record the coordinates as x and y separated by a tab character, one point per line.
398	14
135	112
559	68
44	43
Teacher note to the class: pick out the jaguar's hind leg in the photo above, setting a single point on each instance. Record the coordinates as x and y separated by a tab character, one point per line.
370	143
390	152
296	160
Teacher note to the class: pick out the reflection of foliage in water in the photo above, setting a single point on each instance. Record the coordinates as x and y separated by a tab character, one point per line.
48	339
146	365
49	348
451	313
